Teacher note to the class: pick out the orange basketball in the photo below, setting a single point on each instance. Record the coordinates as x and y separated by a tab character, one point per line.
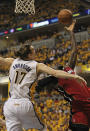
65	16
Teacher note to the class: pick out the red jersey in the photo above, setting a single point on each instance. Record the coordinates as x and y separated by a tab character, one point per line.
73	88
81	98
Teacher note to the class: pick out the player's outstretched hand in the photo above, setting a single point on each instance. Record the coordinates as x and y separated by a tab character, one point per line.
71	27
80	79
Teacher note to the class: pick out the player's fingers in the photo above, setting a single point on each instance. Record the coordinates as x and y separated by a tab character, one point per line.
74	22
82	80
85	81
81	83
72	25
66	28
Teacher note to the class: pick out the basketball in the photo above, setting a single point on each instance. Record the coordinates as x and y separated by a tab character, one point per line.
65	16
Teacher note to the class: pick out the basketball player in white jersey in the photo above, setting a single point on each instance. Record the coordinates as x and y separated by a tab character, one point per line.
18	109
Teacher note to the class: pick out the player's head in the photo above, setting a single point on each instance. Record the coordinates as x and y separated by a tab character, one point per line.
26	52
61	67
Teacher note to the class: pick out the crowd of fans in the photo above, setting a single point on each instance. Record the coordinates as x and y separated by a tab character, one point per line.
43	10
56	55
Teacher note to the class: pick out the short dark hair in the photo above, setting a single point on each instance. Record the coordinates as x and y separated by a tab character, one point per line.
60	67
23	51
47	83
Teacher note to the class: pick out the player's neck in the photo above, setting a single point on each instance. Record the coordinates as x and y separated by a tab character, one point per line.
29	58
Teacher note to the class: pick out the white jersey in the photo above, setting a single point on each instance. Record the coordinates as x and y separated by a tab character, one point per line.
22	75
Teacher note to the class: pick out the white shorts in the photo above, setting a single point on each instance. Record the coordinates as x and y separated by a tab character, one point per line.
20	113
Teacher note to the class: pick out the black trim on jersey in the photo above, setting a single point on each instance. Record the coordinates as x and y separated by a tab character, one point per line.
31	87
66	96
9	94
9	79
9	88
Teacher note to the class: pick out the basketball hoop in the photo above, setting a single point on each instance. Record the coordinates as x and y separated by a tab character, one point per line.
25	6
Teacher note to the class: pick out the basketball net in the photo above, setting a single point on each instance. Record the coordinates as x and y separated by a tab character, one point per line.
25	6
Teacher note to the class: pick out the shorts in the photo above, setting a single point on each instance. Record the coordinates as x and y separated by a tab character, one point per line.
19	114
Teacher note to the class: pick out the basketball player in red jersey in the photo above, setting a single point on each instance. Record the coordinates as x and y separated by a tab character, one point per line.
79	93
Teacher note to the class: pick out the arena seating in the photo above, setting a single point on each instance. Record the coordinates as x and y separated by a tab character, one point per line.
59	54
8	19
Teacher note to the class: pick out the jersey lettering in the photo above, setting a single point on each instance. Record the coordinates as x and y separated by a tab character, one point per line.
23	66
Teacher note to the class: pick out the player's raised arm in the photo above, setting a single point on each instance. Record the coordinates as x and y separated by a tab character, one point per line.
5	63
57	73
73	56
